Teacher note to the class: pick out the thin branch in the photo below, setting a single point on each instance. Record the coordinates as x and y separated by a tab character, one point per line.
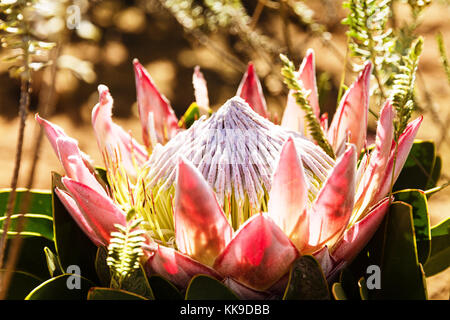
23	111
46	106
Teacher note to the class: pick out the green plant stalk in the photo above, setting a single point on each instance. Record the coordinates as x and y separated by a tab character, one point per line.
443	55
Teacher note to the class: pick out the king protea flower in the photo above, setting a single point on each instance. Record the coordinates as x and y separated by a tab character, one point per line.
236	196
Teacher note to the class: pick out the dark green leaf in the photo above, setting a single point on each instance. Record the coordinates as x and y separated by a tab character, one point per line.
401	275
417	171
21	284
349	284
203	287
32	225
418	201
163	289
101	267
73	247
40	202
435	173
338	291
97	293
57	288
440	249
31	258
306	281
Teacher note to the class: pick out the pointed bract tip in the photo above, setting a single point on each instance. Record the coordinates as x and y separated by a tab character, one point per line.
309	57
351	149
309	52
138	68
104	95
366	72
183	164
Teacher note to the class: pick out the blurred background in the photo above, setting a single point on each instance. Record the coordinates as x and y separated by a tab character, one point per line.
96	41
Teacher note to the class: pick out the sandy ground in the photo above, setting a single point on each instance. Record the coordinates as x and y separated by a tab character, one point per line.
433	78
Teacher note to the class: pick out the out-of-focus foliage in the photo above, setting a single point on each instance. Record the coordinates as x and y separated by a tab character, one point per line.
26	51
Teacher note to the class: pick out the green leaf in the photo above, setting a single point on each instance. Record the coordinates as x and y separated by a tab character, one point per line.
418	201
418	169
40	202
203	287
73	247
21	284
163	289
97	293
32	225
190	116
401	275
53	264
102	174
349	284
57	288
363	291
435	173
32	258
440	249
338	291
101	267
306	281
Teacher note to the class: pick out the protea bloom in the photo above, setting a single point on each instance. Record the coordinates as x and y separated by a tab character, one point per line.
236	196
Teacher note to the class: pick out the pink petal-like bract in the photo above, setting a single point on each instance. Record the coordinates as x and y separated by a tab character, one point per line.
251	91
293	116
405	143
111	138
74	165
53	132
100	212
78	216
151	100
288	196
350	118
176	267
325	260
259	254
333	206
200	89
360	233
201	228
371	179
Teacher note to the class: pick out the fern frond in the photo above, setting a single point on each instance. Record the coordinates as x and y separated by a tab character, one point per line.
125	251
402	95
288	72
26	51
370	39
